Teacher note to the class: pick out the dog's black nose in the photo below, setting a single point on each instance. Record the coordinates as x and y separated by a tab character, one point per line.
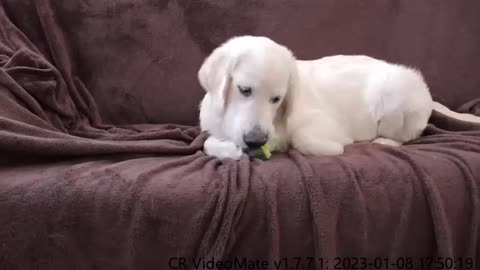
255	138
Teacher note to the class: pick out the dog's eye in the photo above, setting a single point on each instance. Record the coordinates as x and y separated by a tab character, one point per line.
275	100
246	91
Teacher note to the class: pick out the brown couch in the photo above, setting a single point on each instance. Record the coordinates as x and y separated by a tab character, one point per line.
101	162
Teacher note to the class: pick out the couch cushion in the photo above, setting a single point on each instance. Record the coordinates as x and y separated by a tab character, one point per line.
76	193
139	58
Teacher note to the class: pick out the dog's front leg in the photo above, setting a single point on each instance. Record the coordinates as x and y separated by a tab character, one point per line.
222	149
309	143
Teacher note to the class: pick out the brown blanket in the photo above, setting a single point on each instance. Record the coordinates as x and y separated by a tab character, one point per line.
76	193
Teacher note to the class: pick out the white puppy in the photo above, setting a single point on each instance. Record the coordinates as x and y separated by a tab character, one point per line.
257	93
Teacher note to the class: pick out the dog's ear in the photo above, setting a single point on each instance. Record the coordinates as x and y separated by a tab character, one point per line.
286	106
213	70
215	74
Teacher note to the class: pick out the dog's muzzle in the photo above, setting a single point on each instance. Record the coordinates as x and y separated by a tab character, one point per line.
255	138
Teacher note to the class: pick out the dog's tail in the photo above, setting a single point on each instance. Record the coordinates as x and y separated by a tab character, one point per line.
460	116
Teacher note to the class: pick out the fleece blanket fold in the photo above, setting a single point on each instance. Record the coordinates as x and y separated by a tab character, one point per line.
76	193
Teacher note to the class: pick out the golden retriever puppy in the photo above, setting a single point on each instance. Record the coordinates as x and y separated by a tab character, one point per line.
257	93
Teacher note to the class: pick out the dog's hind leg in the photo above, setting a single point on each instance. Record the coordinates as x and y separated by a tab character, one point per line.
385	141
398	128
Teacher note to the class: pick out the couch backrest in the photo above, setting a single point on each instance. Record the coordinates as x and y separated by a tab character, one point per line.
139	58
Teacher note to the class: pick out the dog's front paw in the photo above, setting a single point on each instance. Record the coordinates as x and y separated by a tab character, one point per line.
222	149
315	146
320	149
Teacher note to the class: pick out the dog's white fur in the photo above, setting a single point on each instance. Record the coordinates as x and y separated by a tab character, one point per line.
325	104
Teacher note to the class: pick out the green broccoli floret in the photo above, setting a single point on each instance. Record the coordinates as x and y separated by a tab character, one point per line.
262	153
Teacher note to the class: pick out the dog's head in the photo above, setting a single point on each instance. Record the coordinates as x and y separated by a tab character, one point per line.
250	80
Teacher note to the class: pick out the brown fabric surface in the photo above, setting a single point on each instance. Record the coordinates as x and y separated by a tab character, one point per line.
76	193
472	107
